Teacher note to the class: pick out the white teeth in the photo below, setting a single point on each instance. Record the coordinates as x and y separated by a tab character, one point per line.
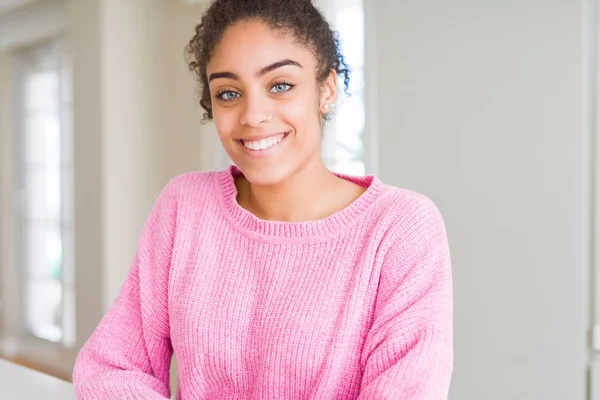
264	143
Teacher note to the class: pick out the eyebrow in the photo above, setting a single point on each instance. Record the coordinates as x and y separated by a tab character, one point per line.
262	72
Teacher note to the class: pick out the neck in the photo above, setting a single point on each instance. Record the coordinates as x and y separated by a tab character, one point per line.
305	196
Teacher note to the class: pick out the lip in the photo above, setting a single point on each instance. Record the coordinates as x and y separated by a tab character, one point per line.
265	152
260	137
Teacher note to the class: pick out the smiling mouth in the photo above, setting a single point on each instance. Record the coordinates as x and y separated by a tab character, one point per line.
264	144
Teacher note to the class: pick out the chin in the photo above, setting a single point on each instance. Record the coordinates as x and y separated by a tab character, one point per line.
267	175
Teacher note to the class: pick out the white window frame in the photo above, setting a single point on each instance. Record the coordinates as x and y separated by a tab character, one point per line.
26	26
332	10
55	48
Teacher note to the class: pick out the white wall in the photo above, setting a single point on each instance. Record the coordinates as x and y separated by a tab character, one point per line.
85	39
195	146
480	106
134	156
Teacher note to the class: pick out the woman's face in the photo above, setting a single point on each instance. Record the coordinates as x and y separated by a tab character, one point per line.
266	102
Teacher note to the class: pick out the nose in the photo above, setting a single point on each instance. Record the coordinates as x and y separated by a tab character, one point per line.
256	112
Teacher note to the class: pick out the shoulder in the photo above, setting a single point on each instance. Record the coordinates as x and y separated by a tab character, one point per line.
408	206
412	216
192	187
417	237
188	188
191	180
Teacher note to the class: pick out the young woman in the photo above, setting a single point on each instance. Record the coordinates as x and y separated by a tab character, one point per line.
276	278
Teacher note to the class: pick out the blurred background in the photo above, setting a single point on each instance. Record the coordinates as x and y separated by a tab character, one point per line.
489	108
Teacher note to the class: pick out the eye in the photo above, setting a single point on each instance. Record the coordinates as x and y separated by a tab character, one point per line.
227	95
280	87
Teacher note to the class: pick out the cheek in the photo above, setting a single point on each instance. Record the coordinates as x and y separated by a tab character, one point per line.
302	115
224	123
296	111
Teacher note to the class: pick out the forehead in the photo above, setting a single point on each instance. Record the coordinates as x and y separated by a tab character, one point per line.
248	46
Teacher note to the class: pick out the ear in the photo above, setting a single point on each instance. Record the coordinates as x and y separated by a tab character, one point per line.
328	93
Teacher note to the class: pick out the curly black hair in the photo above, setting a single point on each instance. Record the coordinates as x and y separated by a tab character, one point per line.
298	18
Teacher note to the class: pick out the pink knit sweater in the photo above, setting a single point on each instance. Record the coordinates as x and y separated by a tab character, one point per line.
354	306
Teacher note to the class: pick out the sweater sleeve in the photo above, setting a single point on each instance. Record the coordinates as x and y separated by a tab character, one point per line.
129	353
408	353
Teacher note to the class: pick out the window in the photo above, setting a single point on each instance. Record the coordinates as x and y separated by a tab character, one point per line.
43	168
343	149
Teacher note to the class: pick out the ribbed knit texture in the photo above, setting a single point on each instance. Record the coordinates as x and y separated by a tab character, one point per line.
354	306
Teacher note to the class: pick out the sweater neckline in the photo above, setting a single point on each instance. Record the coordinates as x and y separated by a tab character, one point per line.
327	226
